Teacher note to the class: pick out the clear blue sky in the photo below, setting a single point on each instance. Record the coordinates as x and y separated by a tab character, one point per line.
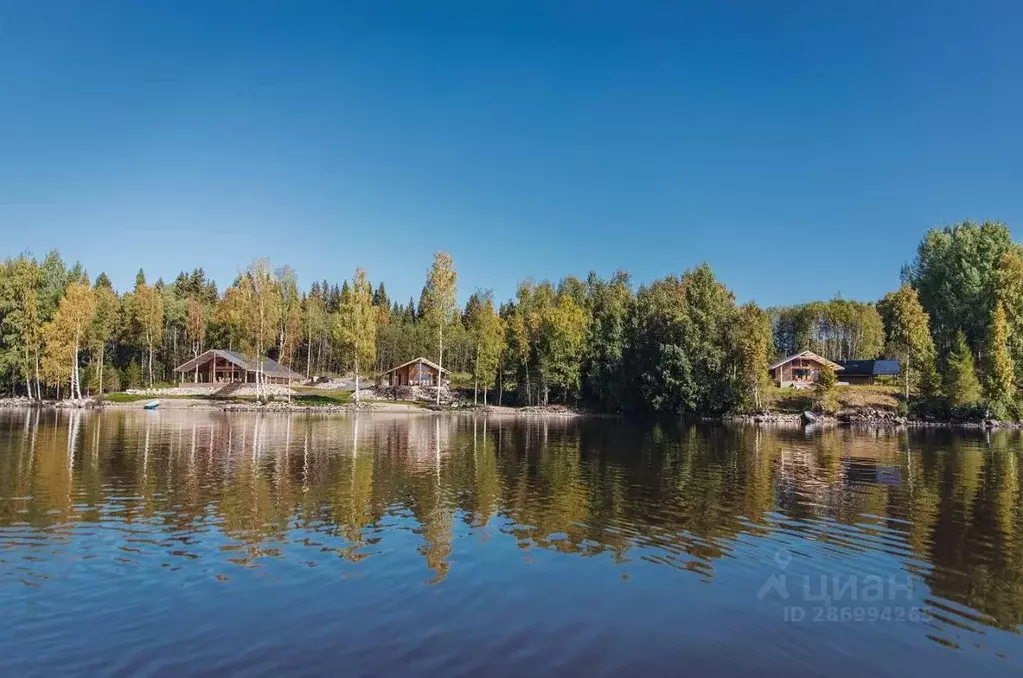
801	148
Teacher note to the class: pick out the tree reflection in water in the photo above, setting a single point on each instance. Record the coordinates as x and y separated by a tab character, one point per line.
948	505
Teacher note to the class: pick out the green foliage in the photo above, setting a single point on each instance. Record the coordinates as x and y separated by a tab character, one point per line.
956	273
603	373
680	336
999	387
837	330
961	386
908	337
355	325
752	348
825	392
1009	292
132	377
486	332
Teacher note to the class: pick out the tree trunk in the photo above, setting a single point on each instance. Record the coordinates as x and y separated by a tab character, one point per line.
150	361
907	379
440	362
357	376
102	355
309	353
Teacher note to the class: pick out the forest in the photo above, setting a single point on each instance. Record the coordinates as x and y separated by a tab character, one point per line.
680	345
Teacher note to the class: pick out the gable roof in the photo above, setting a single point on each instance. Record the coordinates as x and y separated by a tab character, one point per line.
875	368
271	368
808	355
424	361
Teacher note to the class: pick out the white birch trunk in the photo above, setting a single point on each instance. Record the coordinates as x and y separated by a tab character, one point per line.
440	362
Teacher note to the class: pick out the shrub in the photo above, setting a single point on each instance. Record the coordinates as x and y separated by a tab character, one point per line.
825	398
133	376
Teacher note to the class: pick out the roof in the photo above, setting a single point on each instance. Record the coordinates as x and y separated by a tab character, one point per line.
809	355
271	368
875	368
424	361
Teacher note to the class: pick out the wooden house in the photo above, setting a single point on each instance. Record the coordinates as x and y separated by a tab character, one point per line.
867	371
801	370
218	366
416	372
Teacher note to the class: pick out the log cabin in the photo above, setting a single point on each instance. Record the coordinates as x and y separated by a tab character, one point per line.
416	372
801	370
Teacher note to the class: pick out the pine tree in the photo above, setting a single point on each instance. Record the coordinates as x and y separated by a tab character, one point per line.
961	385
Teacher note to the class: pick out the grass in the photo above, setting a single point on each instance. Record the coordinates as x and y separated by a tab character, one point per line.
136	397
322	398
791	400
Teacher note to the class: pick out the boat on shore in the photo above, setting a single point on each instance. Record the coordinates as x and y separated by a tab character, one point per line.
151	405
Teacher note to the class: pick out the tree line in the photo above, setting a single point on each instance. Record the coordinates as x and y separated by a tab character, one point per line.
680	345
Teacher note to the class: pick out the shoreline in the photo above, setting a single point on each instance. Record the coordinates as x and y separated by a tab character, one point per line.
369	407
865	418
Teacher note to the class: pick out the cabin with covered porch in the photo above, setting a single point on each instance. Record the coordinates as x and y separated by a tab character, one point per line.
217	366
801	370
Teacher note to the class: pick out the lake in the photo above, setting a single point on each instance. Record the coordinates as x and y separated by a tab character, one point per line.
202	543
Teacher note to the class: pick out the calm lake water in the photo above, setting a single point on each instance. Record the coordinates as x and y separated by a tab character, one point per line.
198	543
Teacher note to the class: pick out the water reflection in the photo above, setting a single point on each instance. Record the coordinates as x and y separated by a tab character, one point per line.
139	492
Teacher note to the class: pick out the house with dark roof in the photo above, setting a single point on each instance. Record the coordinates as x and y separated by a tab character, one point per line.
867	371
801	370
217	366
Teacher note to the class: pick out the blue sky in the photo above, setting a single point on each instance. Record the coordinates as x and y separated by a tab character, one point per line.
801	148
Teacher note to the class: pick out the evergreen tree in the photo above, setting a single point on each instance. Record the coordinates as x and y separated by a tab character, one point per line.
961	385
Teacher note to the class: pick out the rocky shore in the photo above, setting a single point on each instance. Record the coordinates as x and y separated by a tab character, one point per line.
853	417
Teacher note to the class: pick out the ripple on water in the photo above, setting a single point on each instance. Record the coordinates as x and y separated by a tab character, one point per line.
201	543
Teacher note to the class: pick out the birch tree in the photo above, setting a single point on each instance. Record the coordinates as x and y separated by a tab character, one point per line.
67	332
195	330
147	312
261	302
104	323
908	333
438	302
21	321
999	388
356	325
487	332
289	317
